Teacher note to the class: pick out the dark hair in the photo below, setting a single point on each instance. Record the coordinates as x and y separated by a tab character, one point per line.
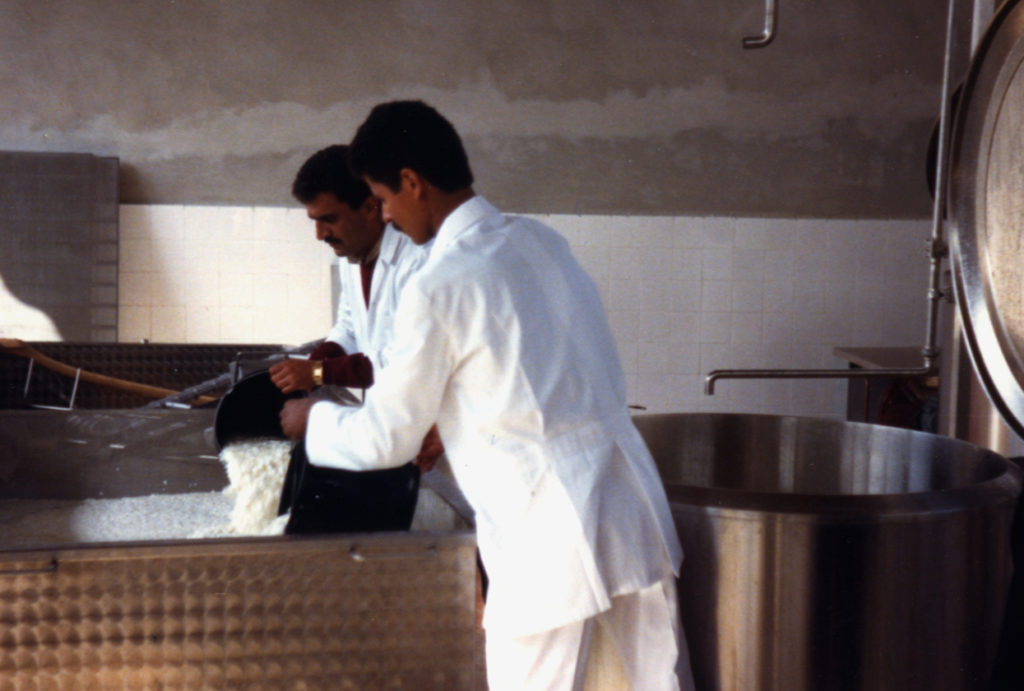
327	171
409	134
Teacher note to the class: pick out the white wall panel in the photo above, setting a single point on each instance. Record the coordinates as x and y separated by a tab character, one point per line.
683	295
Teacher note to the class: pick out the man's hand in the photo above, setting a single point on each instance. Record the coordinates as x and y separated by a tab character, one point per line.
292	375
430	450
294	417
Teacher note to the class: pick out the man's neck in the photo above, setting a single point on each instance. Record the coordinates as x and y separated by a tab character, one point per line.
444	203
371	254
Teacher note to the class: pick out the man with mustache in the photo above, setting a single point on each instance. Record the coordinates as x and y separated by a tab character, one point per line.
379	261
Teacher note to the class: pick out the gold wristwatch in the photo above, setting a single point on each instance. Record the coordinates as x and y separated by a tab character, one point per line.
318	373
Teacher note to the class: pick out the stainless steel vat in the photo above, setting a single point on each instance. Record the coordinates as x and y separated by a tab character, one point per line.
346	611
831	555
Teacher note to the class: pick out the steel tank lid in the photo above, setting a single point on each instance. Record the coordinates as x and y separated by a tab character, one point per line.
986	212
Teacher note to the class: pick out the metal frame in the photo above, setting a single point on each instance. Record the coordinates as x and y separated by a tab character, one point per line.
28	386
938	251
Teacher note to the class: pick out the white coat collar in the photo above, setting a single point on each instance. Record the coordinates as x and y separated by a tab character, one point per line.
390	244
464	217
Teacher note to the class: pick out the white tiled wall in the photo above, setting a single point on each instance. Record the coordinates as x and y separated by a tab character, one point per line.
207	274
684	295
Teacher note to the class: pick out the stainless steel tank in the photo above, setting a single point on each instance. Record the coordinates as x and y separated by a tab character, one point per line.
342	611
832	555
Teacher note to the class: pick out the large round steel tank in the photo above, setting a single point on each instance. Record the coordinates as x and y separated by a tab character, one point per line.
831	555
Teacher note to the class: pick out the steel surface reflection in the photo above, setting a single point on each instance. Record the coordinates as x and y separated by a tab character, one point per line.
831	555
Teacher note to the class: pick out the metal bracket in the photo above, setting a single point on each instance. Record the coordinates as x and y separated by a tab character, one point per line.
28	385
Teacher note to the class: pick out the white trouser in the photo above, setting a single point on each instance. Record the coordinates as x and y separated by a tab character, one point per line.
638	645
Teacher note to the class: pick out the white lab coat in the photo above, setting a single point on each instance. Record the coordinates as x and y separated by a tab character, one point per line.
501	338
366	329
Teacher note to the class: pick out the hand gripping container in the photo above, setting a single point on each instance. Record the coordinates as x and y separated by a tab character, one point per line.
320	500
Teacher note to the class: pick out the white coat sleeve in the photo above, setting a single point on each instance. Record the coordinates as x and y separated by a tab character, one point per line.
399	409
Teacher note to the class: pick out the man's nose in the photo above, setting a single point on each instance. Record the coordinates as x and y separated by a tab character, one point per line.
321	231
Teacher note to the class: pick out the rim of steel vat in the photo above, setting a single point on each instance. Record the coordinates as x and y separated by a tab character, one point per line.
1002	485
995	347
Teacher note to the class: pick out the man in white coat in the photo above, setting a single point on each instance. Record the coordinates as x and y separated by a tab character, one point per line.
501	339
378	261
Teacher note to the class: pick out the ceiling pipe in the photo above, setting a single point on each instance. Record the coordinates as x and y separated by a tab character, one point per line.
769	28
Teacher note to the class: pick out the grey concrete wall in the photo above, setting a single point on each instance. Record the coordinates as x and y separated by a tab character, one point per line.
566	106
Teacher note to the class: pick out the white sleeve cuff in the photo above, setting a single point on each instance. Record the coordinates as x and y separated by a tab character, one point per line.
322	432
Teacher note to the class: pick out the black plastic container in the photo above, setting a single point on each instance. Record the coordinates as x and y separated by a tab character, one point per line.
250	409
321	500
329	500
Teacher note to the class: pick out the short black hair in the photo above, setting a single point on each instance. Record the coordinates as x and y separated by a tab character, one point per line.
409	134
327	171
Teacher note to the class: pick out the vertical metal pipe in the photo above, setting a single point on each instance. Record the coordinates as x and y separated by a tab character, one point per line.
939	249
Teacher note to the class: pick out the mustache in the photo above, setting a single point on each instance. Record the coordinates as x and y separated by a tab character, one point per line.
332	242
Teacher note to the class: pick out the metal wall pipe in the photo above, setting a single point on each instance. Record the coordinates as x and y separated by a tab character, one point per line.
938	251
768	34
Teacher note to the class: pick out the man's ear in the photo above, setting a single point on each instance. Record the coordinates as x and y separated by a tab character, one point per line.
414	182
371	207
